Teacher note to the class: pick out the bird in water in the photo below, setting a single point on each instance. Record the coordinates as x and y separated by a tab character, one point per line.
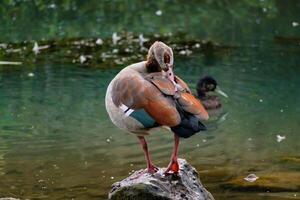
148	95
206	85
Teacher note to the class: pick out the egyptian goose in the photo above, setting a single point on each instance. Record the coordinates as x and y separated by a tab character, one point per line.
204	86
147	95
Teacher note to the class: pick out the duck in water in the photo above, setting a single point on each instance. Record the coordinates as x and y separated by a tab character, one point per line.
204	86
147	95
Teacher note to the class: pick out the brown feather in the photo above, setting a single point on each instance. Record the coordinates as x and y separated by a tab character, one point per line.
192	105
182	84
136	92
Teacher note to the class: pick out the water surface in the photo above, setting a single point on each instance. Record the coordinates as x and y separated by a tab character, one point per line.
57	142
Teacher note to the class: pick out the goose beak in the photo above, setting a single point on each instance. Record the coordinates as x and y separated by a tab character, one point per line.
219	91
170	74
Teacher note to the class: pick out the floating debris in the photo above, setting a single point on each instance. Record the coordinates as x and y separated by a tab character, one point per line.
204	140
251	178
118	62
115	38
55	166
82	59
223	117
261	100
3	45
36	48
13	50
158	12
281	110
115	51
108	140
112	178
295	24
30	74
127	50
99	41
142	40
197	45
10	63
185	52
280	138
52	6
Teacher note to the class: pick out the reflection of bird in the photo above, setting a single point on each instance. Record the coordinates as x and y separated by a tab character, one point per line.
148	95
204	86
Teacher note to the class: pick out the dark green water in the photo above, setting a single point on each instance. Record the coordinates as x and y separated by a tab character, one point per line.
57	142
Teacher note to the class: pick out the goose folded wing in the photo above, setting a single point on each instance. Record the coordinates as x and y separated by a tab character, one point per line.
138	93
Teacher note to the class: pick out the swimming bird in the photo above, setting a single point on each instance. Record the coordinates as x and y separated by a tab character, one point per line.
204	86
148	95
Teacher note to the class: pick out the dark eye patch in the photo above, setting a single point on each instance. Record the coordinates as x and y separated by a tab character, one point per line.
167	58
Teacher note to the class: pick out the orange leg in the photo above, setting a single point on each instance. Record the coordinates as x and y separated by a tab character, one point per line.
150	167
173	165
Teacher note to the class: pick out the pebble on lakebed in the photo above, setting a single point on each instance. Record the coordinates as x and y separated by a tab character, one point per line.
277	181
185	185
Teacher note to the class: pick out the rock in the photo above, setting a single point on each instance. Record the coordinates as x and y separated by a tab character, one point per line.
8	198
277	181
140	185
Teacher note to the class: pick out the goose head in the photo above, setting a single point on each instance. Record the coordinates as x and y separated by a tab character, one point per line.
160	59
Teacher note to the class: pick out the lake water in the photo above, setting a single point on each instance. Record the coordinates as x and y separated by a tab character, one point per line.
57	142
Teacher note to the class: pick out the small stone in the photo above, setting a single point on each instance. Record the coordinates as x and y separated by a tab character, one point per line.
251	178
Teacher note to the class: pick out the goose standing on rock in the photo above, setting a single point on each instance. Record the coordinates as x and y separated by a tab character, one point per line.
148	95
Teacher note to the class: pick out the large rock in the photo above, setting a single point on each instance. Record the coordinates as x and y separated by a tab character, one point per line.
139	185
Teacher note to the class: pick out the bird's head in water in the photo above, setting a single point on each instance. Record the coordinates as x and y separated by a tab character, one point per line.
208	84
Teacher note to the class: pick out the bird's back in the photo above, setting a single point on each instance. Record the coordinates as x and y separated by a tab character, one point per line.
138	101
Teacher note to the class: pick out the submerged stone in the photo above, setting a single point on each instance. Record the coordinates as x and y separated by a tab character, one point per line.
8	198
140	185
278	181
